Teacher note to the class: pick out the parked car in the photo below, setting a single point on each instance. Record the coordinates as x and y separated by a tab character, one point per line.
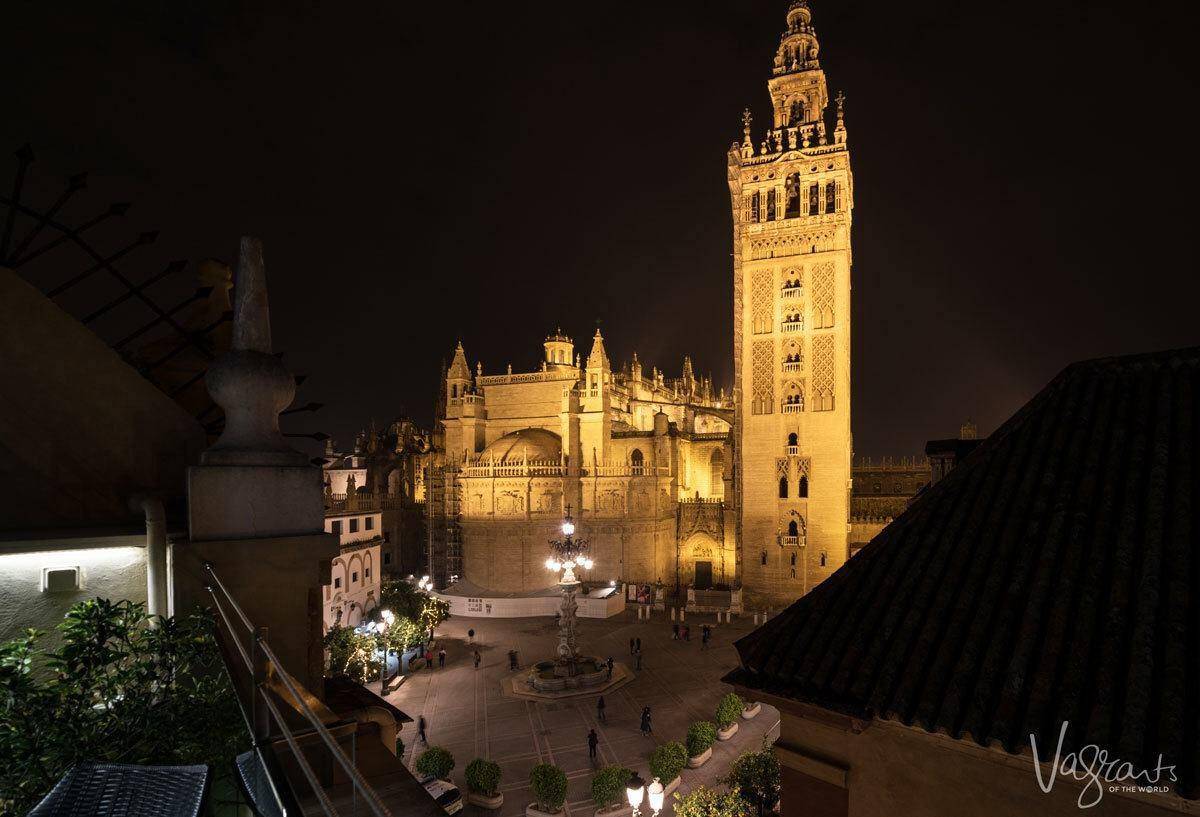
445	793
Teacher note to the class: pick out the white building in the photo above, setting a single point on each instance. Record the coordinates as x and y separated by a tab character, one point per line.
354	583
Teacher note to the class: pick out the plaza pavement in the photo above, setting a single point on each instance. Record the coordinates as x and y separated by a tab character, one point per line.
467	714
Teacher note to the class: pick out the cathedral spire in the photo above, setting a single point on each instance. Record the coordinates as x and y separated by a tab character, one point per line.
598	358
798	91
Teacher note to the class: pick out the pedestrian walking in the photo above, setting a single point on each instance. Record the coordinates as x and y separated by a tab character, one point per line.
687	632
639	645
631	646
646	730
675	631
421	729
593	742
600	710
639	660
610	667
705	635
478	658
429	658
512	660
442	658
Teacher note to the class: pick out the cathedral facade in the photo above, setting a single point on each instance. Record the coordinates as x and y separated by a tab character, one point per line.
668	481
640	459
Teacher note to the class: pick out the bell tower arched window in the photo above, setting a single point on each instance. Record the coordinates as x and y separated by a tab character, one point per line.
792	208
793	439
793	529
804	487
756	206
831	197
770	205
783	488
796	113
638	462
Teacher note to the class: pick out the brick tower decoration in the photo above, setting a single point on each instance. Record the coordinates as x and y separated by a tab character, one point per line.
791	191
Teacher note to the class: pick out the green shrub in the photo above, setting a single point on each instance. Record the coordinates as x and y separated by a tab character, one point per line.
705	802
700	736
754	777
667	761
729	710
435	762
608	786
483	776
549	786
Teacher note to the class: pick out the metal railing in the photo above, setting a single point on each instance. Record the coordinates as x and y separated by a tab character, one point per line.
262	707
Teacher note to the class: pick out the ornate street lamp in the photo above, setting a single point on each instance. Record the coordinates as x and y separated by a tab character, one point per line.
635	790
566	554
656	793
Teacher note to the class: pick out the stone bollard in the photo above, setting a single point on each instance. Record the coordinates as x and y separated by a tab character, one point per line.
672	614
756	619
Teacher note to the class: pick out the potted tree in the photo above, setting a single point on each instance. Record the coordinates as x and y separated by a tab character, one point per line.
705	802
666	763
549	786
483	780
728	711
751	709
608	790
434	763
700	738
755	777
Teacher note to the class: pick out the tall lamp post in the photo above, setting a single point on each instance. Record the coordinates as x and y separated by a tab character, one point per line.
566	554
636	791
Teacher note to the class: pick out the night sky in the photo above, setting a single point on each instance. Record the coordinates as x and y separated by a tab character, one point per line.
422	173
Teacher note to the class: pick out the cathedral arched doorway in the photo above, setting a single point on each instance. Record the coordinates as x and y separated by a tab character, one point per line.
700	563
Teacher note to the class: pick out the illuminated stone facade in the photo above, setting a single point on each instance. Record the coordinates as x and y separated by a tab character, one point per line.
640	459
792	198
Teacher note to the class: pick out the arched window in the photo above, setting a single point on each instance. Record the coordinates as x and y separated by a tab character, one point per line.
793	439
814	200
831	197
793	559
453	392
804	487
755	206
716	464
796	115
783	488
823	560
770	205
792	208
764	557
793	529
637	461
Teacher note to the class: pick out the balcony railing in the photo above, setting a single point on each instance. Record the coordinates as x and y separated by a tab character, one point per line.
791	292
793	408
793	450
793	366
627	470
530	468
791	541
793	326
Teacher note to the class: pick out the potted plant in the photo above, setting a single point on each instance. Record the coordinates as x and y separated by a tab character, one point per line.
751	710
483	780
700	738
666	763
728	711
608	790
755	778
434	762
549	786
705	802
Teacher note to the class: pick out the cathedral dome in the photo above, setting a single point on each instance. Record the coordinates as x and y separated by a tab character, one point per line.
526	444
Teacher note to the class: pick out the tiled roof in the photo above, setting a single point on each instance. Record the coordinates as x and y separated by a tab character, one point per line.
1053	576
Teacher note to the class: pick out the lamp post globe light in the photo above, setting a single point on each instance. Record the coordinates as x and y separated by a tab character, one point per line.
656	793
566	554
635	790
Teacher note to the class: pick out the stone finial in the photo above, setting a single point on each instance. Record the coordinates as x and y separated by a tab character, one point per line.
248	382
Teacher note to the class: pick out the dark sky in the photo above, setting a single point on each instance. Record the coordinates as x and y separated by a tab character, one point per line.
422	173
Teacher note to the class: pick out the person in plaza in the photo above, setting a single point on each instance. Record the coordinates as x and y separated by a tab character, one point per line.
631	646
429	658
675	631
705	634
646	730
421	729
687	633
442	658
512	659
593	742
639	644
600	710
478	658
610	667
639	659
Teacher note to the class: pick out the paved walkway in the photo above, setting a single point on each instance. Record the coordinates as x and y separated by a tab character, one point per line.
467	714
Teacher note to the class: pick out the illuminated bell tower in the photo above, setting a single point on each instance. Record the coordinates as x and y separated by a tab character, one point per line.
792	197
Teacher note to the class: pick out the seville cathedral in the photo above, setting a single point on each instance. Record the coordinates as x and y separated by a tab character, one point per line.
670	482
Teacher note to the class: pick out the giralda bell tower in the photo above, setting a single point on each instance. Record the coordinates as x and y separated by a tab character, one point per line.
792	195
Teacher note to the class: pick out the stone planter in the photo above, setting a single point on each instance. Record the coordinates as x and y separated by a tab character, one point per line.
728	732
492	801
672	786
752	710
532	810
700	759
614	811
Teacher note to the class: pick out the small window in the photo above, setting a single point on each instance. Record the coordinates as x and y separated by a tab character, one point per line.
370	522
764	557
366	572
814	199
337	583
793	559
824	559
387	558
804	487
831	197
793	529
793	439
783	488
336	527
771	204
354	526
756	207
354	578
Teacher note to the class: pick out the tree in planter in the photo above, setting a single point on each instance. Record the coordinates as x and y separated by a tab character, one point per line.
352	654
483	777
114	691
435	762
549	785
729	710
700	736
608	786
667	761
402	598
754	777
433	612
705	802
